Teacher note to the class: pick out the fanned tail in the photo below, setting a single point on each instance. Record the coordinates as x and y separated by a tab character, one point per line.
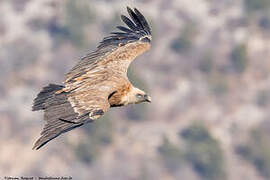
46	93
58	114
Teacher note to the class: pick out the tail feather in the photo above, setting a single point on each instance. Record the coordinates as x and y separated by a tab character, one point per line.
46	93
58	114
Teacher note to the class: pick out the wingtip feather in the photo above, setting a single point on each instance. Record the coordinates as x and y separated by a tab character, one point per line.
136	28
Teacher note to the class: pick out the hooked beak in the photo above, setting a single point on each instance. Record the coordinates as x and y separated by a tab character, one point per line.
147	98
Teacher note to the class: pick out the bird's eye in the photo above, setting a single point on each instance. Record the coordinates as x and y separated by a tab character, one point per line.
139	96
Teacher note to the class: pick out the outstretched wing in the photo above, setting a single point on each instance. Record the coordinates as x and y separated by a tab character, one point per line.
93	80
99	74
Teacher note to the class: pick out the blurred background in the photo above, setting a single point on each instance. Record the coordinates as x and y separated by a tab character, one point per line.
208	73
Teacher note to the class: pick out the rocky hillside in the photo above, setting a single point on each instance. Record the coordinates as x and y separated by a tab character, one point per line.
208	73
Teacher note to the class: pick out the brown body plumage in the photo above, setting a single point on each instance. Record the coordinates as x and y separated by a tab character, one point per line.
99	81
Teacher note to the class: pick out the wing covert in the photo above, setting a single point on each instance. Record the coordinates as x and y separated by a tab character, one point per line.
99	73
128	42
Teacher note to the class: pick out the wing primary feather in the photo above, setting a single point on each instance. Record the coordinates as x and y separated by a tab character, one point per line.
129	23
119	33
136	28
134	17
122	28
46	138
122	34
143	21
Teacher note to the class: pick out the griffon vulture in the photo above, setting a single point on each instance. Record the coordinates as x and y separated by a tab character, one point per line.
99	81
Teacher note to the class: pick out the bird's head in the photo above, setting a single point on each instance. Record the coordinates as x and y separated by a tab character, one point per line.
136	96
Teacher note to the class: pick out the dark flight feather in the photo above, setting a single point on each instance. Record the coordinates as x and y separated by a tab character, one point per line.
112	42
137	28
93	85
58	113
135	18
143	21
46	93
44	139
122	28
129	23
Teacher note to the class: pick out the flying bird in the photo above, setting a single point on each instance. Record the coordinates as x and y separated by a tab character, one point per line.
98	81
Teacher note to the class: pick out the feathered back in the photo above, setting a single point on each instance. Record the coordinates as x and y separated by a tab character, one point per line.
138	28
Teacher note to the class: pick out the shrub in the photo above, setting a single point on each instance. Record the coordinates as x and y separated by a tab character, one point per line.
206	64
87	152
19	5
218	85
203	152
171	155
239	58
195	133
257	5
99	134
77	17
264	22
263	98
137	113
19	54
184	42
257	150
100	131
